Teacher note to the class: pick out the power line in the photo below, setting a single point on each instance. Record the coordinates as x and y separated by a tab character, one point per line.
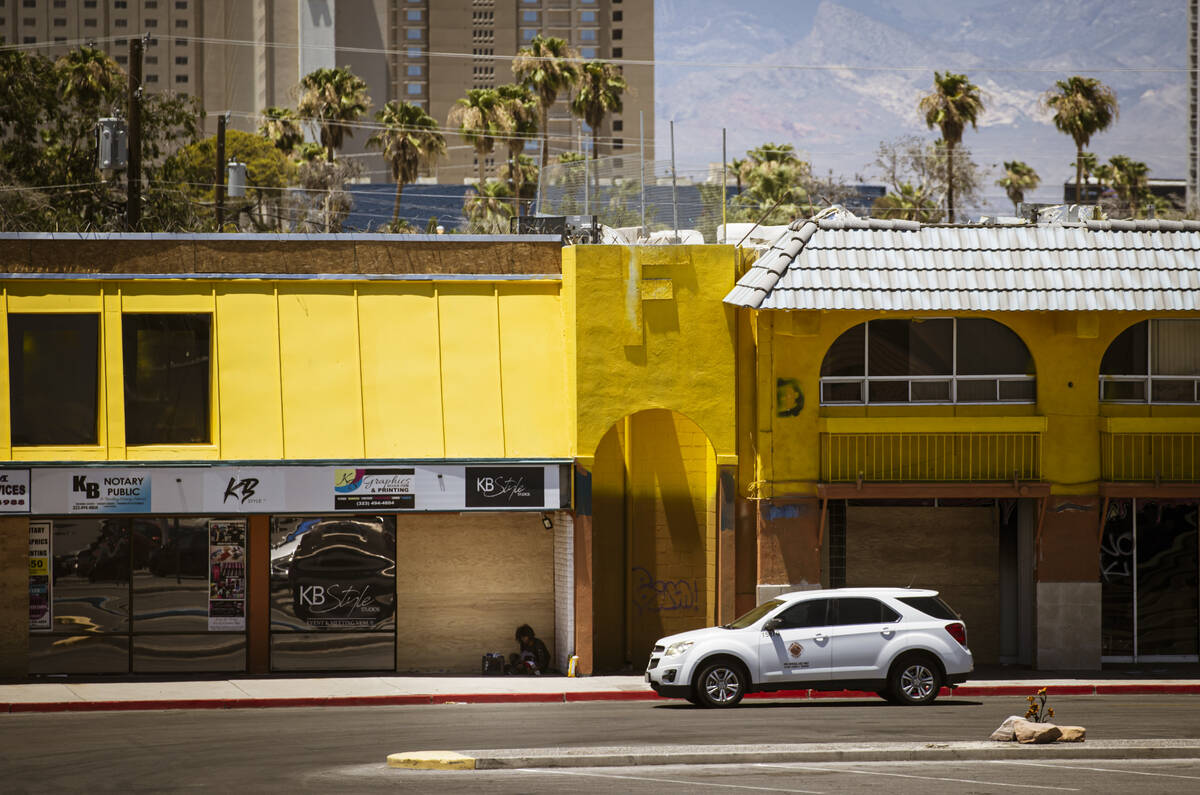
653	62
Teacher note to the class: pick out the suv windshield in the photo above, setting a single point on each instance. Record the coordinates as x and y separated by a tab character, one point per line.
754	615
931	606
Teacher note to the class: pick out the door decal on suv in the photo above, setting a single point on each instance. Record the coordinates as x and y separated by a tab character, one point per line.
795	649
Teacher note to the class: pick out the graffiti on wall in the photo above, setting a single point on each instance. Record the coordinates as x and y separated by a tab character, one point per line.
1116	546
654	596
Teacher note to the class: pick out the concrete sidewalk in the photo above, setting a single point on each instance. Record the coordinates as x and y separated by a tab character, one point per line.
147	693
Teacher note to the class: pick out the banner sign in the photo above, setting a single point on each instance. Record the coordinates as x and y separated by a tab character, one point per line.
505	487
373	489
244	489
110	491
14	491
216	490
227	575
41	614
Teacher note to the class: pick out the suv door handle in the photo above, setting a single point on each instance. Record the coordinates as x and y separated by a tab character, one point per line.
887	632
819	638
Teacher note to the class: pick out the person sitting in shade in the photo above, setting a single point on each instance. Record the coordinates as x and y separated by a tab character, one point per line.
533	658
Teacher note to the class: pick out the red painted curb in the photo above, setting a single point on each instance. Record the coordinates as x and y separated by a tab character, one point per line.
557	698
612	695
499	698
1020	690
781	694
1134	690
843	694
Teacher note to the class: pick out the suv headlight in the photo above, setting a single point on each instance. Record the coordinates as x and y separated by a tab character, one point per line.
678	648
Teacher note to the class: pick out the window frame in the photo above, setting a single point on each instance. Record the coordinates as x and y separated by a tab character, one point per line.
1147	380
952	379
97	401
210	401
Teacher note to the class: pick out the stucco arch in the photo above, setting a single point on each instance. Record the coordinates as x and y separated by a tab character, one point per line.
654	534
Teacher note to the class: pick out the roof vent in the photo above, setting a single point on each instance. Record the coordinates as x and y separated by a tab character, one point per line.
1049	214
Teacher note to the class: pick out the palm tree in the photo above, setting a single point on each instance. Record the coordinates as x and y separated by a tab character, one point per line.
524	175
89	76
547	67
598	94
954	103
281	126
488	208
523	123
409	138
333	99
481	116
1083	106
738	167
1018	178
1127	177
909	202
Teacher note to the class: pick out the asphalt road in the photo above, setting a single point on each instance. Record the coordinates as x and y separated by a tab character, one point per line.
345	748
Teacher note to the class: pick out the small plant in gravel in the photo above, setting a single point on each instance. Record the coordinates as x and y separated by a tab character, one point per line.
1037	711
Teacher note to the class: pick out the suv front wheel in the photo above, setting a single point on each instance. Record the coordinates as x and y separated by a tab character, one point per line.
914	680
720	683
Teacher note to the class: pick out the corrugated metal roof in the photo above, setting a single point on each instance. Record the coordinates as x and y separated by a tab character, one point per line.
867	263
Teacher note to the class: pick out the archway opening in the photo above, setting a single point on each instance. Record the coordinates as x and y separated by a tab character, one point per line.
654	542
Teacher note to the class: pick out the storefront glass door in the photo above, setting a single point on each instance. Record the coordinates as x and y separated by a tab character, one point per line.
1150	580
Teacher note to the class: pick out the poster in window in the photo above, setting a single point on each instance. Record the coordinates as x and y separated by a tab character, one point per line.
226	575
40	560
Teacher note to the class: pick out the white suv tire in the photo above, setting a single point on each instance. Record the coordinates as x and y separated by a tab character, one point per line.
914	679
720	683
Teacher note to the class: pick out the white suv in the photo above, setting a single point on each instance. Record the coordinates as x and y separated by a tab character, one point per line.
902	643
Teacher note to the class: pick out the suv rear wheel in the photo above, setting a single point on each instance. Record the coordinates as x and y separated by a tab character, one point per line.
915	679
720	683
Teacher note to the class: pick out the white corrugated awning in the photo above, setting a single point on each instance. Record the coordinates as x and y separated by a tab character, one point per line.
906	266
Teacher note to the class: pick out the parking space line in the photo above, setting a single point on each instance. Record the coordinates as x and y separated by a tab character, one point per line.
670	781
803	766
1066	763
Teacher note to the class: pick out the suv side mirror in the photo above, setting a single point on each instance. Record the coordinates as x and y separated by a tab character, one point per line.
773	624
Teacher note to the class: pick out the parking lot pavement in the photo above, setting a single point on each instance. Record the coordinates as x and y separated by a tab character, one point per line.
904	778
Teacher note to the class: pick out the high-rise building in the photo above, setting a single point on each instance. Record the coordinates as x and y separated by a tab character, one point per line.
242	56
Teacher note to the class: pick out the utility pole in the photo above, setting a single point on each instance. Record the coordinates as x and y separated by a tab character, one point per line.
219	181
133	209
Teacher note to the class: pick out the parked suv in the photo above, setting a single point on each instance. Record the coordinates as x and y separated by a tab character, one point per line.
902	643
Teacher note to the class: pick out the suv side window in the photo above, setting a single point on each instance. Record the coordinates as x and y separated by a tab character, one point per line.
813	613
859	610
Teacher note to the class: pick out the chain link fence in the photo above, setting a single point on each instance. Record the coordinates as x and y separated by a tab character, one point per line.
625	192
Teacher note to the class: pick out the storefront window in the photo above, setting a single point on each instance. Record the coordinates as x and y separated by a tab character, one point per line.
1150	581
53	366
139	594
167	379
333	593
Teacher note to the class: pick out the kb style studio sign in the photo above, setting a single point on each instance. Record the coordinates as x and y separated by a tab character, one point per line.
351	487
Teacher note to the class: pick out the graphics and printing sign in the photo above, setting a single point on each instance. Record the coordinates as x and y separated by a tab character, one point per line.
374	489
14	491
109	491
505	487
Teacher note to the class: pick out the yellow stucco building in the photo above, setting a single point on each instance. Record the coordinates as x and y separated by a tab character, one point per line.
228	453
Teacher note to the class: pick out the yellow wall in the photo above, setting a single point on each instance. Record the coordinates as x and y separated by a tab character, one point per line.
1066	347
650	331
340	369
